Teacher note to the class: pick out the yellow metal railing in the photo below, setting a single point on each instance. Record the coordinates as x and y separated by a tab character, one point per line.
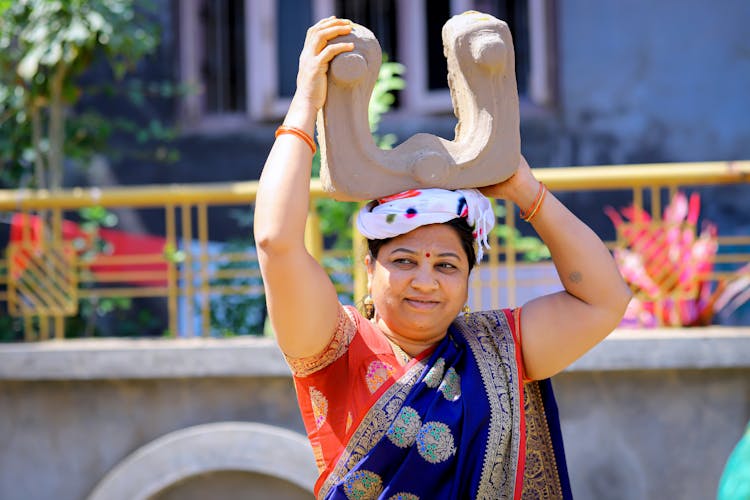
183	272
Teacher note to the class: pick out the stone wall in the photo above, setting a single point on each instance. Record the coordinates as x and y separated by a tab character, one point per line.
73	411
653	415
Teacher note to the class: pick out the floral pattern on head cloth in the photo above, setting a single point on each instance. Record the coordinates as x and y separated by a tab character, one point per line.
403	212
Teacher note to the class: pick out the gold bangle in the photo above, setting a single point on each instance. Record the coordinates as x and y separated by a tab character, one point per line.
283	129
525	213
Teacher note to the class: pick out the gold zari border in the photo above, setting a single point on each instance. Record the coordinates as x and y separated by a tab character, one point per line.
346	328
490	338
541	478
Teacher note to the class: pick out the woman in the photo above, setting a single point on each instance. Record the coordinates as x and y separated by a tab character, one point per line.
420	401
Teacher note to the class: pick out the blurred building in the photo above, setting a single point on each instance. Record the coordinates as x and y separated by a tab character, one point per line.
600	82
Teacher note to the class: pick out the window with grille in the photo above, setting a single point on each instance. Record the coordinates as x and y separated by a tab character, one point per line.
223	62
248	50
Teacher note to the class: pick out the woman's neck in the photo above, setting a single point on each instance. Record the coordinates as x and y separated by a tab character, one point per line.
412	347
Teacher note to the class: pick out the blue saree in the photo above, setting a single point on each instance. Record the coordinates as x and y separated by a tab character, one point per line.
460	424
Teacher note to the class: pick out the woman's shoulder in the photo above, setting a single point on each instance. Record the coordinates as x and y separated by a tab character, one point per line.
346	328
353	332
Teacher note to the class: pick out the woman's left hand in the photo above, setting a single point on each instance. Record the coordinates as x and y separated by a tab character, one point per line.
560	327
520	188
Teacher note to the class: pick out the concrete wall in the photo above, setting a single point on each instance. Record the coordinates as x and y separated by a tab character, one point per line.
644	415
58	438
651	434
655	414
72	411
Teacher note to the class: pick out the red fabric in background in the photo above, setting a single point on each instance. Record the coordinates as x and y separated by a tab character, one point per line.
121	242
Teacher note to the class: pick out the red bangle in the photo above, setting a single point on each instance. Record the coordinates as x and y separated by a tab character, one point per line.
529	214
283	129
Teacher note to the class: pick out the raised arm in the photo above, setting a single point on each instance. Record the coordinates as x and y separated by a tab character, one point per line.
559	328
301	299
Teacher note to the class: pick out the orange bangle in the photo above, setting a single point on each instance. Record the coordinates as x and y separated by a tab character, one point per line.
529	214
537	197
283	129
538	206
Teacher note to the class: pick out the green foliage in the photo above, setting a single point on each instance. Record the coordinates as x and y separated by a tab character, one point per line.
44	35
93	308
238	313
92	219
45	46
110	317
172	254
531	248
10	328
383	98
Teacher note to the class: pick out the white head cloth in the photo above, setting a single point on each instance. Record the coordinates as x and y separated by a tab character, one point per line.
403	212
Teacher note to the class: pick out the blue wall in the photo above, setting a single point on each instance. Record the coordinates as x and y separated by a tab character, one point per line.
655	81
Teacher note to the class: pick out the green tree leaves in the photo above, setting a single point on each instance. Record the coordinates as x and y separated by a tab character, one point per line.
45	46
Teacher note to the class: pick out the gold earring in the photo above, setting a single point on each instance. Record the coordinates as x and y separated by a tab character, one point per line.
368	305
466	309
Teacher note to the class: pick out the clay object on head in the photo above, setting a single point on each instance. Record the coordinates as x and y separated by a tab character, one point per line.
482	81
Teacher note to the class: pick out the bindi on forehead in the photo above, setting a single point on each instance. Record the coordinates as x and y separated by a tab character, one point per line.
427	254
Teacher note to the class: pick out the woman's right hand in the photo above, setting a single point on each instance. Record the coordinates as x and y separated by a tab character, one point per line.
317	53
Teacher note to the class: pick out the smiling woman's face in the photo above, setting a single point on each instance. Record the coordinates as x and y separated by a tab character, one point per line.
419	283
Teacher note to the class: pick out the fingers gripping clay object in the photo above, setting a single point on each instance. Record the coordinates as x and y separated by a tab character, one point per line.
482	81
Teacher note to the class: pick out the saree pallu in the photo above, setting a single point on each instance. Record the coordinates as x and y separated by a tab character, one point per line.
451	427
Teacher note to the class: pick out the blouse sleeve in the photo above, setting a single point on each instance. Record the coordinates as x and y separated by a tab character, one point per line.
346	327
